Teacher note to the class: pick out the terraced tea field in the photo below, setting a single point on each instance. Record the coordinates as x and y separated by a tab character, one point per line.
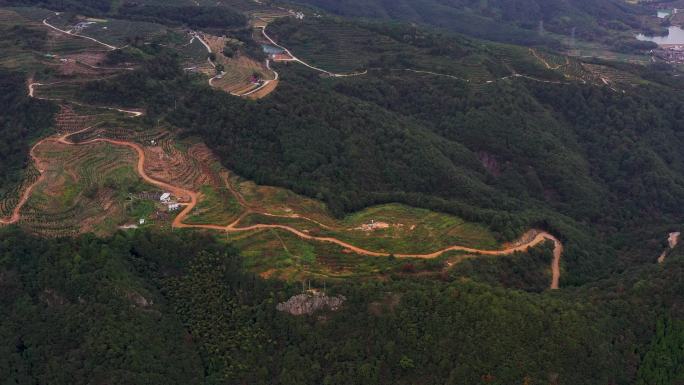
216	206
240	72
92	182
10	199
84	189
278	254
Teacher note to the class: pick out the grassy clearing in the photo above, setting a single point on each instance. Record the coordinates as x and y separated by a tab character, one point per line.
239	70
391	228
280	201
396	228
280	254
216	206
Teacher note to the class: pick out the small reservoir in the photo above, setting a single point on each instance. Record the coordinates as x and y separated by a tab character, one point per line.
675	36
271	49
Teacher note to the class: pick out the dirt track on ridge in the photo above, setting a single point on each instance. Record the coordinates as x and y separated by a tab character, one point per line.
190	199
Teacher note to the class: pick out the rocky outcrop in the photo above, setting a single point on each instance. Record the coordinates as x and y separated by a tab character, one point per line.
52	298
139	300
309	303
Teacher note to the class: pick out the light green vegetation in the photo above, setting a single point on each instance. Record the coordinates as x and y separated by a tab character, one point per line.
216	207
10	198
391	228
279	254
398	229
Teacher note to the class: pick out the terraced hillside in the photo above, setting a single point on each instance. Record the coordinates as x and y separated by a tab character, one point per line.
242	74
84	190
91	181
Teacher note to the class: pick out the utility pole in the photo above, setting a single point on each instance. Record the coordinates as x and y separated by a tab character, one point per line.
572	40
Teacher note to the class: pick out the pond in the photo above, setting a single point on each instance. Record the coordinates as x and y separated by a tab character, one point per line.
675	36
271	49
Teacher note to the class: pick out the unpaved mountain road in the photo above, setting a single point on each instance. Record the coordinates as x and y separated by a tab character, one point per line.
26	194
45	22
32	90
190	199
302	62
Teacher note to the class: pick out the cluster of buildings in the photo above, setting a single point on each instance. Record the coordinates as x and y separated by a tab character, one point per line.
671	53
166	200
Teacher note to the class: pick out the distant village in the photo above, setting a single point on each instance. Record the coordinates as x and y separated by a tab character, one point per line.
670	53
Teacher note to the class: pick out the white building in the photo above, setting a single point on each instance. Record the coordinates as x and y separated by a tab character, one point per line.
174	206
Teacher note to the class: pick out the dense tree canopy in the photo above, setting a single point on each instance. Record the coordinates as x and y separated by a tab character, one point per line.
22	121
160	308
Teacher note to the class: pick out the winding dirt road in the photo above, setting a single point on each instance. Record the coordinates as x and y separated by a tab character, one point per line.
191	197
302	62
16	215
32	90
45	22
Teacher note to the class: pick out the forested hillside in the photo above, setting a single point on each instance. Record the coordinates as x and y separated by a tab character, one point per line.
513	21
155	308
23	120
507	159
584	161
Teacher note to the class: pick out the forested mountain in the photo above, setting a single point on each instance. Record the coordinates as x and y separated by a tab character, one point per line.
581	160
383	105
22	121
514	21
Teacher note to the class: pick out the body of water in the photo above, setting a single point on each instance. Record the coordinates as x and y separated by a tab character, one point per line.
271	49
676	36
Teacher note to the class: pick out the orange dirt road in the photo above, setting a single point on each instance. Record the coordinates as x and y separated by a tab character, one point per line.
27	192
191	197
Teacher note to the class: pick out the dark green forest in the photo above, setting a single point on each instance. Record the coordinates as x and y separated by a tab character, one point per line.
153	308
22	121
204	17
512	21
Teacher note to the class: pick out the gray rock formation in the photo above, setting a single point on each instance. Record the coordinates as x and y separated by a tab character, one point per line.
309	303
